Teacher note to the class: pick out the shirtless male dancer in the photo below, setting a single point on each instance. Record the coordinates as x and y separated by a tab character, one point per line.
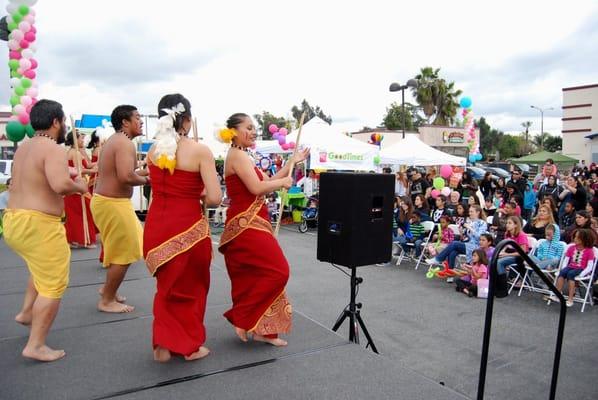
112	208
33	226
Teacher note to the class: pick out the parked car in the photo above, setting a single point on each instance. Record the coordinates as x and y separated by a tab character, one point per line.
5	170
478	173
498	172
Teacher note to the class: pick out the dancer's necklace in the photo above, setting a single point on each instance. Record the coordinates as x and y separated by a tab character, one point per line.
41	134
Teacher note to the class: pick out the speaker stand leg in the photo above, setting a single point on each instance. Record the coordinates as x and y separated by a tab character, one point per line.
352	312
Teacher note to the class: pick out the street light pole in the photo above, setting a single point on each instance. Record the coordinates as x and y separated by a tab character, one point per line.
395	87
542	123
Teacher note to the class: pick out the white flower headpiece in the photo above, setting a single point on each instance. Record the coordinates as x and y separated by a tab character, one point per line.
167	138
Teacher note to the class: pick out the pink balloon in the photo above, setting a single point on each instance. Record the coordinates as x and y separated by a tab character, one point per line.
17	35
14	55
26	100
25	63
30	36
20	70
13	118
283	131
13	44
33	29
32	92
281	140
28	108
29	74
435	193
24	118
24	44
29	18
291	145
18	109
272	128
285	146
446	191
24	26
33	63
31	12
446	171
33	101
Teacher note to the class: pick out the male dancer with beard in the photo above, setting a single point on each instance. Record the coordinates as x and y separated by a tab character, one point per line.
112	208
33	227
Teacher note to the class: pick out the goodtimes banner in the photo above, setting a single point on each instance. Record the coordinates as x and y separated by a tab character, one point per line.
323	158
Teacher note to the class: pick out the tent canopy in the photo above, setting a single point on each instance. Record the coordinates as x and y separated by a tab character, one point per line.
414	152
542	156
330	149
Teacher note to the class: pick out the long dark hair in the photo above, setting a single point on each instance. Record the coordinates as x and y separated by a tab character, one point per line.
404	216
481	256
94	140
172	100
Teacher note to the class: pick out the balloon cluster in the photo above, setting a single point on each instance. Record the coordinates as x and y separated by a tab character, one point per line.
280	134
21	43
473	142
439	183
376	138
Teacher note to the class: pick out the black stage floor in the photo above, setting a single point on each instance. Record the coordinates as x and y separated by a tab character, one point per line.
109	356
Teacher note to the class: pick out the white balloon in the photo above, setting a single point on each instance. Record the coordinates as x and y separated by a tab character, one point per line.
11	8
9	19
32	46
17	35
24	26
27	53
15	82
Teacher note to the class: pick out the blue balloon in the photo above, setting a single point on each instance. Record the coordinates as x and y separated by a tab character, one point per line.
472	158
465	102
479	156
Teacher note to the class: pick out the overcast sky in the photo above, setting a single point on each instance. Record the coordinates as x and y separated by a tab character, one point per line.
250	56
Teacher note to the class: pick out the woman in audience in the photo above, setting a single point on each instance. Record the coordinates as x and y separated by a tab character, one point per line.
422	208
536	226
583	220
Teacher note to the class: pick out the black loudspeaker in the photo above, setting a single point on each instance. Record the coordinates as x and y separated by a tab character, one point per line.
355	218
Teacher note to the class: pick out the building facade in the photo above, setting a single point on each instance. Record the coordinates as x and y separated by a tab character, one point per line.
580	122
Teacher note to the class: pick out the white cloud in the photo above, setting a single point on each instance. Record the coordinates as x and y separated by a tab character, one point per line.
252	56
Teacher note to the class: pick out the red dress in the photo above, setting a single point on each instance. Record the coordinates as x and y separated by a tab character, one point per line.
75	233
178	251
255	263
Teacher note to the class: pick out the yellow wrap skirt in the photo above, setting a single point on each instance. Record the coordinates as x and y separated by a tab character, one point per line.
41	240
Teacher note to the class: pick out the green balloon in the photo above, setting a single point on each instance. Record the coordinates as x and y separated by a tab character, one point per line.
12	26
29	130
438	183
23	10
13	64
376	160
16	17
26	83
15	131
15	74
19	90
14	100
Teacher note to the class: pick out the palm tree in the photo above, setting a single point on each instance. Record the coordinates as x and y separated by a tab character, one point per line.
540	140
436	97
526	125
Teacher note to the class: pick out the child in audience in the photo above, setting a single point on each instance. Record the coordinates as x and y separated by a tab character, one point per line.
486	244
272	207
478	269
581	255
417	232
443	239
549	252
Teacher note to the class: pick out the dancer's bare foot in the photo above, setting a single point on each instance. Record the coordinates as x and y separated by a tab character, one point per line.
278	342
161	354
114	307
119	298
23	318
241	333
201	353
43	353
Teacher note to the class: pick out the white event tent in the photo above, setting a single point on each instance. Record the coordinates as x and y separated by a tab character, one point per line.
413	152
330	149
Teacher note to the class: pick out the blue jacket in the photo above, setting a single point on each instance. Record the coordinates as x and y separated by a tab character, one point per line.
553	249
529	197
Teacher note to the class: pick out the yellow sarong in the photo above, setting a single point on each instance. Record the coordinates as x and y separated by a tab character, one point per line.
121	232
41	240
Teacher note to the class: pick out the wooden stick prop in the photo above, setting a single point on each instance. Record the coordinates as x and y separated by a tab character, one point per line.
78	164
194	124
290	173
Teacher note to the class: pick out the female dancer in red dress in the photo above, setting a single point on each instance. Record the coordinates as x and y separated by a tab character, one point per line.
176	242
94	146
73	209
254	260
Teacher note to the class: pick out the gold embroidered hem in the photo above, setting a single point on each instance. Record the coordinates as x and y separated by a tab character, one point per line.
245	220
176	245
277	318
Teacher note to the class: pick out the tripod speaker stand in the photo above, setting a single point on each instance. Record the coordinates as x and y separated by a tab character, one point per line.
352	311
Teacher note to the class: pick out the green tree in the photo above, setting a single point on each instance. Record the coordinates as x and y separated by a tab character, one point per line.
511	146
553	143
436	96
489	137
526	125
394	117
265	119
311	112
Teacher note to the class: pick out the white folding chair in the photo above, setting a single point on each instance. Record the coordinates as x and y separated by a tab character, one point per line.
527	282
585	281
429	228
532	242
